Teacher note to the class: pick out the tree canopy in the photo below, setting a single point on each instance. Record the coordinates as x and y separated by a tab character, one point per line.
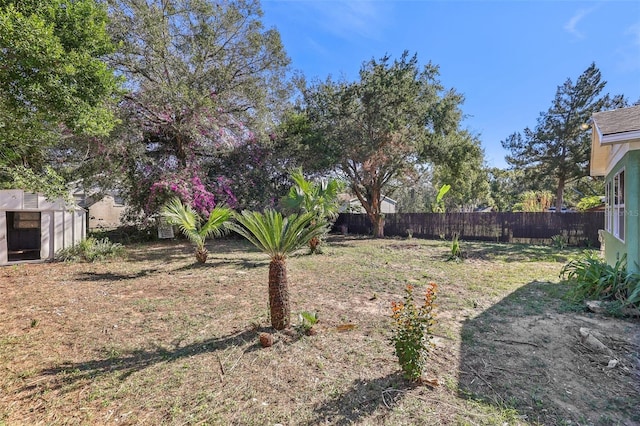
54	83
378	129
559	146
204	77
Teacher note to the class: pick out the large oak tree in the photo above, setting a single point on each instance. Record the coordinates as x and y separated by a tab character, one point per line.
378	129
204	77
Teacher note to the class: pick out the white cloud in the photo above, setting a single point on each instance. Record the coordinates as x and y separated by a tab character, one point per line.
630	51
572	25
349	20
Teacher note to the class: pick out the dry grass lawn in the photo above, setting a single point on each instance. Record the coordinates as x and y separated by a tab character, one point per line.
156	339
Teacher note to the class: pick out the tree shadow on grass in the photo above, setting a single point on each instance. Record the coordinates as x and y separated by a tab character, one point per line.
361	399
525	353
220	262
66	375
111	276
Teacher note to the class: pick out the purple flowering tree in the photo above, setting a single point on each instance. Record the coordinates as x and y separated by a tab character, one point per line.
206	80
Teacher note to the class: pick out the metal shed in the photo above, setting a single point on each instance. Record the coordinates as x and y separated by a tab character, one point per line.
33	228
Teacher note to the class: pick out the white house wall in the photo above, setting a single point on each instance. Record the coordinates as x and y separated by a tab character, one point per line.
4	250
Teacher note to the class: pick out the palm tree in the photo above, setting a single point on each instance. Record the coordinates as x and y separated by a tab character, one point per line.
190	224
319	198
278	237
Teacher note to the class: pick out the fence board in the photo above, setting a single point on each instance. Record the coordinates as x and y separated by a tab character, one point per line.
579	229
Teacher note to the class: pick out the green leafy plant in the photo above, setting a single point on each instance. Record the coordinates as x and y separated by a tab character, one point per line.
90	250
456	252
438	207
191	226
559	241
589	202
278	237
48	182
321	199
593	278
536	201
412	327
307	321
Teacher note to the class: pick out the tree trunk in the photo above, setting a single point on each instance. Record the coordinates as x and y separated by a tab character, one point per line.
313	244
202	254
560	195
378	226
279	295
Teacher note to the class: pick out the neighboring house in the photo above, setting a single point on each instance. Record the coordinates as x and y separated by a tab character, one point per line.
105	212
350	204
615	154
33	228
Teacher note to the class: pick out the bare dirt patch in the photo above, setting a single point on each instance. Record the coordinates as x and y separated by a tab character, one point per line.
157	339
537	361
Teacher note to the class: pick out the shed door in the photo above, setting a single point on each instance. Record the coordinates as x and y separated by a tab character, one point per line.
23	236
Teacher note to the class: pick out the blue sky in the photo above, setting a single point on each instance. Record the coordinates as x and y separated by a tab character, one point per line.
506	57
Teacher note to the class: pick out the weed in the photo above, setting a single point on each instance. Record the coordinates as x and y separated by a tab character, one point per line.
307	321
412	331
559	241
90	250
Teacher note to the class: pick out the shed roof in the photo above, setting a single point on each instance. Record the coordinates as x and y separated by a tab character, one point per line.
617	121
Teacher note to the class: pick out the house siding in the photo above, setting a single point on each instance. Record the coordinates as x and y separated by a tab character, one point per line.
616	248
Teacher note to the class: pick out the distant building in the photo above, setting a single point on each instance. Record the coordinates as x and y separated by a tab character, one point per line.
105	212
350	204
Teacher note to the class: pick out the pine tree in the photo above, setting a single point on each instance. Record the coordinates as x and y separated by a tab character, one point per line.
559	147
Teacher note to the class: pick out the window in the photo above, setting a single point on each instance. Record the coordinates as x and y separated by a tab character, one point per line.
26	220
618	205
607	206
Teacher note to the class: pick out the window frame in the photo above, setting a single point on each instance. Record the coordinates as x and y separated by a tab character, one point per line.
618	216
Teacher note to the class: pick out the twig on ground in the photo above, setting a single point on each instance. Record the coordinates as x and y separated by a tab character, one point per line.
516	342
487	383
221	368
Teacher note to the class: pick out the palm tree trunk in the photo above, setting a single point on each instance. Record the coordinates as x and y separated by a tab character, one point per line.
279	295
202	254
313	244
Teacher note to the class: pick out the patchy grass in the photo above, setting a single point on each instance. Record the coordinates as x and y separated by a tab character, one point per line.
157	339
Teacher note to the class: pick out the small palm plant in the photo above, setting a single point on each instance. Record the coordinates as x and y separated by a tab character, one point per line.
321	199
278	237
191	226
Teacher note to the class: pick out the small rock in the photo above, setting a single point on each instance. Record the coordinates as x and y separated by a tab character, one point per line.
595	306
590	341
612	364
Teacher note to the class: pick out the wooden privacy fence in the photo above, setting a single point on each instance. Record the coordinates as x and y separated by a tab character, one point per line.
578	229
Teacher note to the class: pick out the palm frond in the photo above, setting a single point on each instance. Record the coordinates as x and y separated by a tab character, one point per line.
217	224
275	235
183	216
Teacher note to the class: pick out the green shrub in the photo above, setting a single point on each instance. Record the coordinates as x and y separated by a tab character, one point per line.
593	278
412	331
559	241
90	250
589	202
